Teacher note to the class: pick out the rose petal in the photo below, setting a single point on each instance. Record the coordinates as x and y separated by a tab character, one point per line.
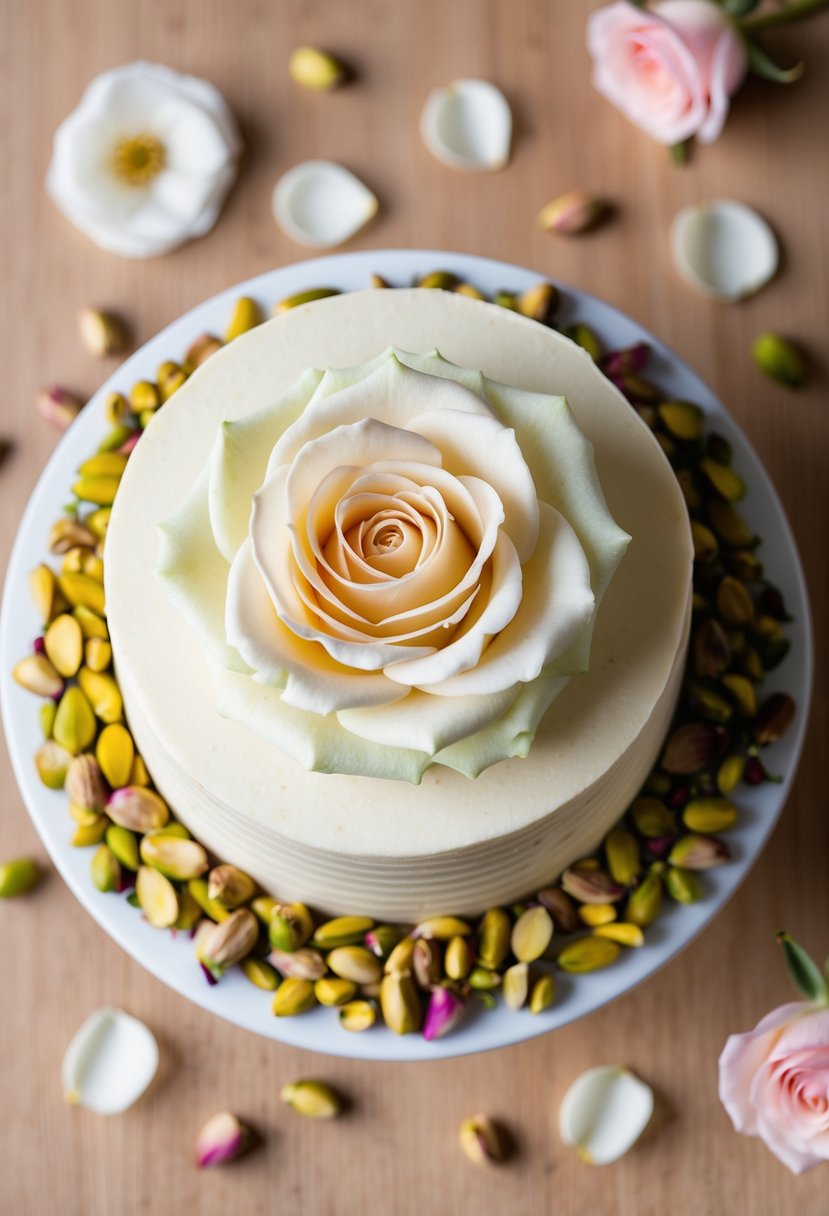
741	1057
482	447
391	390
427	723
195	573
280	657
604	1112
315	741
240	458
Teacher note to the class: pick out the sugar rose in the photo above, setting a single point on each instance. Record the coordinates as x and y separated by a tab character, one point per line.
394	566
671	68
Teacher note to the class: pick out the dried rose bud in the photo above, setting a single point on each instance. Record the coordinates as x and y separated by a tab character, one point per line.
630	361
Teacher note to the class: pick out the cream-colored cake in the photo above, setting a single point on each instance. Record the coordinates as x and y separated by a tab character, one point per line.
395	849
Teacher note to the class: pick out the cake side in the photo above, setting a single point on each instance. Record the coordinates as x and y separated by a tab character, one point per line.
599	721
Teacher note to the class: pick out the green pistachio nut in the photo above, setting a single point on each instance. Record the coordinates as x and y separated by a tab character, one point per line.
400	1003
780	359
293	997
313	1099
18	877
494	937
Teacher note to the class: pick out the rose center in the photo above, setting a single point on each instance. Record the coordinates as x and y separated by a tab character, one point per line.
138	159
386	539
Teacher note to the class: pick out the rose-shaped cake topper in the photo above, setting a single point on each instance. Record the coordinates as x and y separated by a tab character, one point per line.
670	68
774	1080
145	161
394	566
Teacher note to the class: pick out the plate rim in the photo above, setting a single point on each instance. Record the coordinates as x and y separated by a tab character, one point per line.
159	954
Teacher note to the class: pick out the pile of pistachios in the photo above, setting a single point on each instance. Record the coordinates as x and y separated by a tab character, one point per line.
417	978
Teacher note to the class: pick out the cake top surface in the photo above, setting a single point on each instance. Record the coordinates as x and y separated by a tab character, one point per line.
639	628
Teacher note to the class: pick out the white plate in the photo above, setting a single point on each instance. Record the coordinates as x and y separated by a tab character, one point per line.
235	998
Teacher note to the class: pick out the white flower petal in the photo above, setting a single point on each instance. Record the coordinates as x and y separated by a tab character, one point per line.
315	741
563	469
555	608
144	220
195	573
240	458
510	735
391	391
488	450
724	249
468	125
280	657
320	204
109	1063
426	723
604	1112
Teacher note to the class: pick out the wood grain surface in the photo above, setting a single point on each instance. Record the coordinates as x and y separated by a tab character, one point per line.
396	1152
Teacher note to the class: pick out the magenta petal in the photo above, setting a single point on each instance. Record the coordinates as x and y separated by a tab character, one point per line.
443	1013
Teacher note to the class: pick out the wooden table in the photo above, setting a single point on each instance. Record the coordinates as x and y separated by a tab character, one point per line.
397	1152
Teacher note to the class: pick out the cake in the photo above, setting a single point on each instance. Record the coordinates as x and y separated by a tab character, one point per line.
541	768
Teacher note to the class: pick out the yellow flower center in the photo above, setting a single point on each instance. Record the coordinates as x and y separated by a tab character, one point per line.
138	159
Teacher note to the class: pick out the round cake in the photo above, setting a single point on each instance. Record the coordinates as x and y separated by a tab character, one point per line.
399	633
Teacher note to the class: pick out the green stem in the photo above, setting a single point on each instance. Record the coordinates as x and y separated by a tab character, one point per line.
789	12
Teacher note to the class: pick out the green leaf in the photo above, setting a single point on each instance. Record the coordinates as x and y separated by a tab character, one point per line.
739	8
807	976
761	64
680	152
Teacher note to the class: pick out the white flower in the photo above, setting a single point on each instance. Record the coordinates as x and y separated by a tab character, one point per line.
145	161
395	565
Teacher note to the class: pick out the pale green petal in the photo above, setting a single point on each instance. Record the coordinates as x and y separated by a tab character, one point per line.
426	722
510	736
195	573
319	743
564	471
239	461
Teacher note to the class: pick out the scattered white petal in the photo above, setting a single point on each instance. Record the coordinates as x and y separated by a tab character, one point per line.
604	1112
468	125
321	204
110	1062
724	249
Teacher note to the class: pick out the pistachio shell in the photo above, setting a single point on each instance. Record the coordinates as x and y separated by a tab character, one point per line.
52	763
543	993
36	674
468	125
102	693
74	727
357	1015
572	213
229	942
260	974
230	885
355	963
136	808
342	931
531	934
180	860
18	877
197	889
314	1099
516	985
302	964
292	997
587	954
400	1003
315	69
334	991
604	1112
321	204
157	897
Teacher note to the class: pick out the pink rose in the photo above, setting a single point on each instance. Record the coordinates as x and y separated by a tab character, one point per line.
774	1083
671	68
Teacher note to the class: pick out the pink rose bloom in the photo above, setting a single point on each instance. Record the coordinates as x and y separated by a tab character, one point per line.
671	68
774	1083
